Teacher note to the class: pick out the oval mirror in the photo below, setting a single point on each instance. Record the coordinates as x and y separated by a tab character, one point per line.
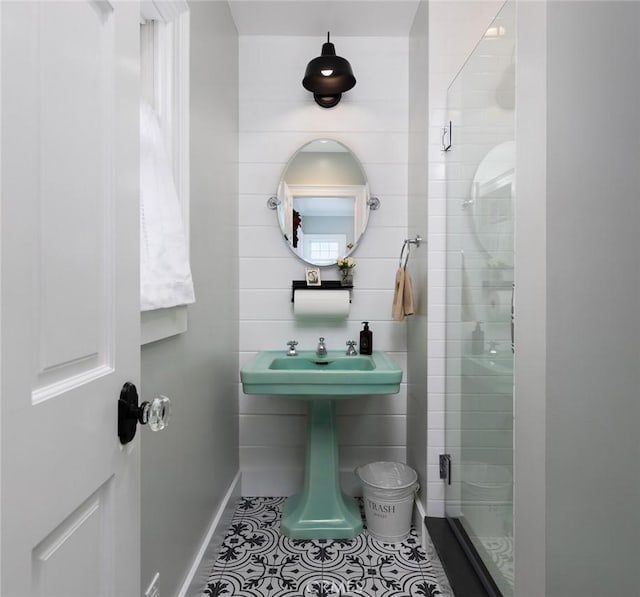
491	204
323	202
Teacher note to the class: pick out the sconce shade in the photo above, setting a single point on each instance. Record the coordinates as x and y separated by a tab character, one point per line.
328	76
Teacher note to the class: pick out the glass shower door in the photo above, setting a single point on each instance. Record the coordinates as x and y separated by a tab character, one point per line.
480	268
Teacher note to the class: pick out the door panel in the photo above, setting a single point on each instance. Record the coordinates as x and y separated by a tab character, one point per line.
84	536
70	297
75	273
73	306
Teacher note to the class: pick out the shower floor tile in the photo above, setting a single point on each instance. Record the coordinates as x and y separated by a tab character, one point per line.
255	560
501	551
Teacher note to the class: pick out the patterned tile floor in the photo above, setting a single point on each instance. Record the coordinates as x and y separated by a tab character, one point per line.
255	561
501	551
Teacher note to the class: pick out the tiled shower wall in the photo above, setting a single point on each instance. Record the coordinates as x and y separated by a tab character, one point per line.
277	116
454	29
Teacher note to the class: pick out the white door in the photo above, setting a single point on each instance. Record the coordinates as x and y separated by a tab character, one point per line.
69	302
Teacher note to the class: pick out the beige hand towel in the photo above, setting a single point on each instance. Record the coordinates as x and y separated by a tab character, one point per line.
397	311
407	296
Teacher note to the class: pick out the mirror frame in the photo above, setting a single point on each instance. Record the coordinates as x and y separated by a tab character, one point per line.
482	187
363	202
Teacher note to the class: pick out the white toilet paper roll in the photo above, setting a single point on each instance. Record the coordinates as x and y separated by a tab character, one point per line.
321	304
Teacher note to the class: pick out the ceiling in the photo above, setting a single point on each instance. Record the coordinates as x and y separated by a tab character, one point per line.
316	17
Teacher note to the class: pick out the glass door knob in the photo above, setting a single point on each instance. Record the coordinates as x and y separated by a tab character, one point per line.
156	413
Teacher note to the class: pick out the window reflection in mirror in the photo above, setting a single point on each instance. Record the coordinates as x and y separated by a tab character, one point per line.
323	208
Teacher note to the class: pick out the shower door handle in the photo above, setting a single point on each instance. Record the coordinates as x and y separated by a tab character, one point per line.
445	468
445	140
513	343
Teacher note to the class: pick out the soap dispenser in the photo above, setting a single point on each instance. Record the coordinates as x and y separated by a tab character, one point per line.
477	339
366	339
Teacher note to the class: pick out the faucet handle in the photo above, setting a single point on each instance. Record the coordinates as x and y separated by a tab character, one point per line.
292	348
350	347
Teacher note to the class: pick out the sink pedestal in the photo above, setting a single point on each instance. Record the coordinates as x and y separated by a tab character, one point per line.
321	511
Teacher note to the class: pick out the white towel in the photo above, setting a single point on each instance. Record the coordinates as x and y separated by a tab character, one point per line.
165	275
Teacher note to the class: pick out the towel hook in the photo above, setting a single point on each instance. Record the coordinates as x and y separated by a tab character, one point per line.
407	245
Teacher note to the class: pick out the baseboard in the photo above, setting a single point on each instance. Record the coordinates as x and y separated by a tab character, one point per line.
196	581
417	519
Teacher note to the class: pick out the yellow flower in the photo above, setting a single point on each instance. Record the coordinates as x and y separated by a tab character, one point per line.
346	263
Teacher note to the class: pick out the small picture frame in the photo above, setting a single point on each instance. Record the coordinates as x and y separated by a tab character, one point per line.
313	276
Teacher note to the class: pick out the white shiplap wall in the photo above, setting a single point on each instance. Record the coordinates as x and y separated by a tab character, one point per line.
454	30
277	116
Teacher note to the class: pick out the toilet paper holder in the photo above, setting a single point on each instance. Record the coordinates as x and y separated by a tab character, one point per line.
324	285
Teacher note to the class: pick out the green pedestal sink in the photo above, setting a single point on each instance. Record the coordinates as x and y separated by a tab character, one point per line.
488	373
321	510
334	376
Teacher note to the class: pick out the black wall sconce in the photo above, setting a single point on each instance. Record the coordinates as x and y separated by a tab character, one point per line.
328	76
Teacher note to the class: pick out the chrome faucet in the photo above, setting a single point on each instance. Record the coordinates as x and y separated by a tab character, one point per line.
321	351
292	348
351	351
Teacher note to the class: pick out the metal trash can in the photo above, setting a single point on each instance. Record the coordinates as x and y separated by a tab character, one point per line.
486	492
388	490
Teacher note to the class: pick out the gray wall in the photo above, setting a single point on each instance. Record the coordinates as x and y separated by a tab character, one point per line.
187	468
577	483
417	336
530	276
593	299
